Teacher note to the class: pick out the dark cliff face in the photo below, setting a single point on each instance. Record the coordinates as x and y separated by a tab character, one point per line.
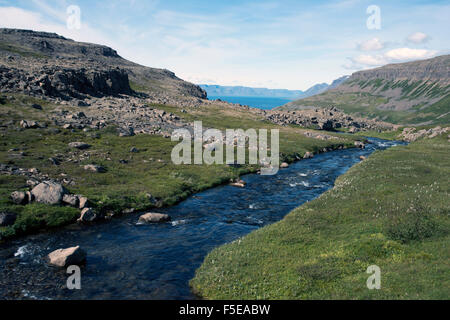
88	68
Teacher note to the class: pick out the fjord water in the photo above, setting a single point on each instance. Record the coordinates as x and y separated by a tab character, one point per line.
264	103
129	261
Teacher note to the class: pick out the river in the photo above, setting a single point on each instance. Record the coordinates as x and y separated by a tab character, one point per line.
130	261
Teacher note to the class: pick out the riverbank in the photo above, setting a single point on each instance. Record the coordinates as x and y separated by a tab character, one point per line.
139	174
390	210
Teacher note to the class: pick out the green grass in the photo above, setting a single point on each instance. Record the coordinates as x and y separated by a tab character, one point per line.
123	186
391	210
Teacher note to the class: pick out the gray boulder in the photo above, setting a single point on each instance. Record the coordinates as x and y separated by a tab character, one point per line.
67	257
49	192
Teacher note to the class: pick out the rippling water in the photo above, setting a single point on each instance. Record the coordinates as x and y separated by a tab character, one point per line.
127	261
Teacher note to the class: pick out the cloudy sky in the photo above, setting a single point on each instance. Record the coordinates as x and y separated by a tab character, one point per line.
275	44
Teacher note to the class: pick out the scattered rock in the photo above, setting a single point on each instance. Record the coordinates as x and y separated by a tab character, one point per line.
79	145
71	200
7	219
360	144
87	215
238	183
308	155
18	197
67	257
83	201
95	168
134	150
49	192
36	106
54	161
362	158
154	218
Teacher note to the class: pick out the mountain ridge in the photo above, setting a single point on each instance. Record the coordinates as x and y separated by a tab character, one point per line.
416	92
243	91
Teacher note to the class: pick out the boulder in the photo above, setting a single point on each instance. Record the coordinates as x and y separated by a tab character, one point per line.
7	219
71	200
154	218
79	145
95	168
87	215
18	197
67	257
49	192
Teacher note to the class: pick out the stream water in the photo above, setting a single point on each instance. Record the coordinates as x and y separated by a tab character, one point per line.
130	261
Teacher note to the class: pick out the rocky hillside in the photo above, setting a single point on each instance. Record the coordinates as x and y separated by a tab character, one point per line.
415	92
40	63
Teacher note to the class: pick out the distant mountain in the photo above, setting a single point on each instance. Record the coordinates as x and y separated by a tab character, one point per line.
415	92
240	91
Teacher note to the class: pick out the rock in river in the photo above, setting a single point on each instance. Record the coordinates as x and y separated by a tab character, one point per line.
154	218
49	192
67	257
87	215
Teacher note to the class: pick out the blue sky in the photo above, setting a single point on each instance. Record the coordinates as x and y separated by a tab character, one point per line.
275	44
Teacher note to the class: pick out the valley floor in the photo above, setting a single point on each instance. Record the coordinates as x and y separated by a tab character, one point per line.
391	210
139	180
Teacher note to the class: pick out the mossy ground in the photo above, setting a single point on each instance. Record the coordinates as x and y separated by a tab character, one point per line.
391	210
150	171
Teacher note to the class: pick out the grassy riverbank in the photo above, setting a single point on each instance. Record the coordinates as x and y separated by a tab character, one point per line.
130	176
391	210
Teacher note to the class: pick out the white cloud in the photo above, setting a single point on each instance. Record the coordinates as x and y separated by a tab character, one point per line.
403	54
418	37
392	56
371	45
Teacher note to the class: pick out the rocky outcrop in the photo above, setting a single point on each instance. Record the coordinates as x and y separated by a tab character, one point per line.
67	257
412	134
66	83
325	119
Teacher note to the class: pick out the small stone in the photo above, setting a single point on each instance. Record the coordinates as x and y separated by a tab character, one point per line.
83	202
87	215
154	218
71	200
79	145
18	197
95	168
36	106
308	155
284	165
134	150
